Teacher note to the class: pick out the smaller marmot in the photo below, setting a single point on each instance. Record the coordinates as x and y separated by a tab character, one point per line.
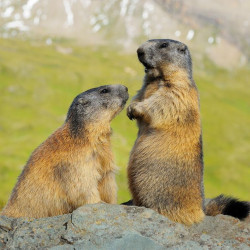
165	169
74	166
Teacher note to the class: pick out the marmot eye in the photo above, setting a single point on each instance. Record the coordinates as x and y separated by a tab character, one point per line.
104	91
164	45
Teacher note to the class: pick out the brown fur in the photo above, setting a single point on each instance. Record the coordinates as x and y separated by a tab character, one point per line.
165	166
165	169
67	171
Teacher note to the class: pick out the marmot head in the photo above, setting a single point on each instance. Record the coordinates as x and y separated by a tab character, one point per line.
161	56
96	106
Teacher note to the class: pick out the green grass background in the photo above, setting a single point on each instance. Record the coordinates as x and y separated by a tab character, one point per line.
38	83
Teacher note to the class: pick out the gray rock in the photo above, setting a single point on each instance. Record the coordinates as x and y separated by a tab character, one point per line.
103	226
5	223
129	240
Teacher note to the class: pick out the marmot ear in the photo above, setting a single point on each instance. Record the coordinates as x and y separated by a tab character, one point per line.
182	48
83	101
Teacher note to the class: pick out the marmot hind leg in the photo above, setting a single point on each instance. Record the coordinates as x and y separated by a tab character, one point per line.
108	188
184	216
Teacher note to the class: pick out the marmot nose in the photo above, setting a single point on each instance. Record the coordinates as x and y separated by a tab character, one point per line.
126	88
140	52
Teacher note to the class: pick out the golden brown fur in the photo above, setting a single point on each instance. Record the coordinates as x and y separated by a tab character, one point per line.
74	166
165	169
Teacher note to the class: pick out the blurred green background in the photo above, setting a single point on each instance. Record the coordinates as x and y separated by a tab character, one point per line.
39	82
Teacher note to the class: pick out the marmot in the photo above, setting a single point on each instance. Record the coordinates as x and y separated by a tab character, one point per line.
165	170
74	166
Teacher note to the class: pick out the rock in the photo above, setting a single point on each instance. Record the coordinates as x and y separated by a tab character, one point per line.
111	227
33	233
5	224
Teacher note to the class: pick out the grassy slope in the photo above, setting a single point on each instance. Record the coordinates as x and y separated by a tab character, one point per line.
37	85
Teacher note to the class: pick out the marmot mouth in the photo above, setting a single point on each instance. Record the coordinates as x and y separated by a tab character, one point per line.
147	67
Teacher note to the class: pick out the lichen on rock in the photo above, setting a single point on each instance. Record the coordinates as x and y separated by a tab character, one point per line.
103	226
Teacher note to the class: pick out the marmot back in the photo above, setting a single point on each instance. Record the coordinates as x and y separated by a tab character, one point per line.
74	166
165	169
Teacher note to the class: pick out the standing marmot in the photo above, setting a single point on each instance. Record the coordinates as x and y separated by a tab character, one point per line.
74	166
165	169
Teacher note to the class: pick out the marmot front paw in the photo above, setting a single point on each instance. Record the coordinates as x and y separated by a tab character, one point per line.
133	111
130	112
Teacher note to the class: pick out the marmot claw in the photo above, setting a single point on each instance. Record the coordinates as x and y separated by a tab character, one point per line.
130	113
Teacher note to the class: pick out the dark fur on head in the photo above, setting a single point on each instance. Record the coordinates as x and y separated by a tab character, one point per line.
158	52
95	106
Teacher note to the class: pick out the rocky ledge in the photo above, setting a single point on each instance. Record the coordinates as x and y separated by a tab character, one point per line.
112	227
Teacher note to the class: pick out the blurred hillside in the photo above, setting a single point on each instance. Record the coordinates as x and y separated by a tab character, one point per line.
219	29
39	82
50	51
